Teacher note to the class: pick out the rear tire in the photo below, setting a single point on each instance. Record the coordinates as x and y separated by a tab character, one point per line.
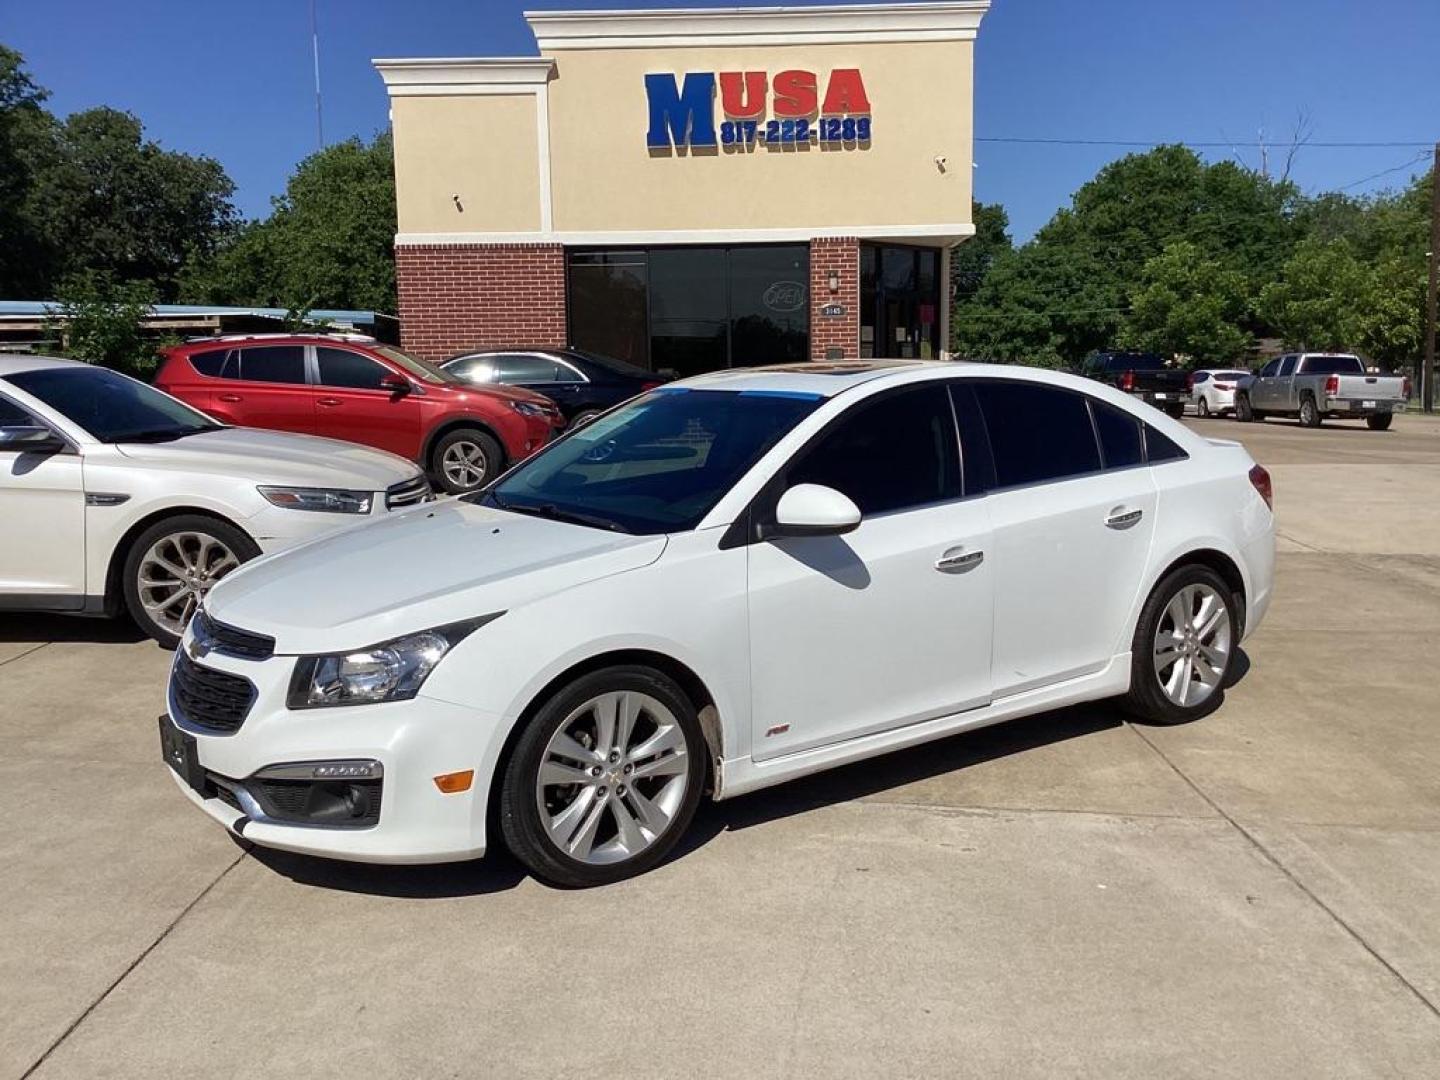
1243	413
1175	412
1309	412
1202	408
635	787
1379	422
172	565
1184	647
466	459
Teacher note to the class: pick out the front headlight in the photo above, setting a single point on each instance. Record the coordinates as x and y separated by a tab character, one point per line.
325	500
529	408
392	671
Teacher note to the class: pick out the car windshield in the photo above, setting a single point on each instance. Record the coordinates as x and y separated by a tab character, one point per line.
421	369
658	464
111	407
1333	365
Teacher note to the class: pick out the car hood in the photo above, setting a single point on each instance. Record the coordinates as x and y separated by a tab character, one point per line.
275	457
426	567
463	390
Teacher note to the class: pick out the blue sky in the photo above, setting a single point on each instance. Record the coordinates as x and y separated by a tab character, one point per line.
233	80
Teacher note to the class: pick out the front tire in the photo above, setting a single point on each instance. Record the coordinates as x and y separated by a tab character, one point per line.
173	564
466	459
604	779
1184	647
1379	422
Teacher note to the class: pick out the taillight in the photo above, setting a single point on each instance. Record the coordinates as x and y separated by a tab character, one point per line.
1332	385
1407	386
1127	381
1190	381
1224	386
1260	479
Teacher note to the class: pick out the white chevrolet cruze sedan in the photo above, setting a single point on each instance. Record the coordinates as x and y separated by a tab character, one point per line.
726	583
114	496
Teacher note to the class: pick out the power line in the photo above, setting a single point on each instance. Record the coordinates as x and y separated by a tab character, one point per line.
1383	172
1199	145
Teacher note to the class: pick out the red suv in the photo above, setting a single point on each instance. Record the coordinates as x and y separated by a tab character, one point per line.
350	387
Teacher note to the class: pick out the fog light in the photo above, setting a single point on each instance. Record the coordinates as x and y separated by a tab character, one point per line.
455	782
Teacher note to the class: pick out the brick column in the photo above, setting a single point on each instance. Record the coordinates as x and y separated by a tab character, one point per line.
455	297
828	332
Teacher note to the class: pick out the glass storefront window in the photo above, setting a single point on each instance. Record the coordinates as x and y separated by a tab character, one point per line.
899	302
692	309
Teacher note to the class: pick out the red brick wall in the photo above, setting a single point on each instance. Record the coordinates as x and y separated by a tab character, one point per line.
841	254
467	296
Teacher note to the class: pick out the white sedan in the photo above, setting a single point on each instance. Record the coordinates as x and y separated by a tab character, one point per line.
1212	390
726	583
114	496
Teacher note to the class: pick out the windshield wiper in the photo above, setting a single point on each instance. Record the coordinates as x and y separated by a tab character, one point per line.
164	434
555	513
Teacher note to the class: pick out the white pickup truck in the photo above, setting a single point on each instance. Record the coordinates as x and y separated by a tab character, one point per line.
1320	386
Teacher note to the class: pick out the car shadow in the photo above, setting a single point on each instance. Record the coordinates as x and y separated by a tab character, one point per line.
498	871
43	628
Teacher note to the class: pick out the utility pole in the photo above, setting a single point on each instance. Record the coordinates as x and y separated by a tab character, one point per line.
315	52
1427	377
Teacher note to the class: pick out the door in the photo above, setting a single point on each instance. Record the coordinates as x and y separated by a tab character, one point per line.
1072	530
886	625
42	503
1283	396
546	375
269	391
899	302
351	403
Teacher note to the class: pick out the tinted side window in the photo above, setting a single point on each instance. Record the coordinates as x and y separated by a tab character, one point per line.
896	453
473	369
1287	366
273	363
1160	447
1037	433
565	373
1119	433
340	367
517	368
1269	370
1201	376
212	363
977	470
12	415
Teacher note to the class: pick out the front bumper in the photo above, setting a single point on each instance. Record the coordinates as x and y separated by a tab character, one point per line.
412	741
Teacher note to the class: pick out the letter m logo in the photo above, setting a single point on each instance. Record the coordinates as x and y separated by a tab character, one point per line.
680	117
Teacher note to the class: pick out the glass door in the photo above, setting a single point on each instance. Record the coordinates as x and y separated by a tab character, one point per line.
899	302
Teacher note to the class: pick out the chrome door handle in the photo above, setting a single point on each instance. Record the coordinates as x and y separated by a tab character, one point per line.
1121	518
957	560
231	397
328	402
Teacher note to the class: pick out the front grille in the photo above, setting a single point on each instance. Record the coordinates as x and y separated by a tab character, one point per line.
210	699
227	640
408	493
228	797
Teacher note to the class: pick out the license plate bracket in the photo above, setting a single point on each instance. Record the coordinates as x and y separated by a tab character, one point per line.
181	753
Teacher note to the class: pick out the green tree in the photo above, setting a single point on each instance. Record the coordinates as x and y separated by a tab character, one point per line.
329	241
102	322
25	133
1189	305
972	260
1319	299
111	202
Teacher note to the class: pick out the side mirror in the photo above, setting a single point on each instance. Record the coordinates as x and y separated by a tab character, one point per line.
813	510
30	439
396	384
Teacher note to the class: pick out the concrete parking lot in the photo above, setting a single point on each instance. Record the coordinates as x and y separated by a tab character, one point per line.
1255	894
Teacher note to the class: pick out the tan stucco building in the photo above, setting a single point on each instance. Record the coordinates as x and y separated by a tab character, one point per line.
690	189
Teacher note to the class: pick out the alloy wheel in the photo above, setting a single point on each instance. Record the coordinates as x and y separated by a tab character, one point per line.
176	572
1192	645
612	778
464	464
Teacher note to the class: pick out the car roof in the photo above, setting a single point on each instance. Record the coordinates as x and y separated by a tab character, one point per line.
15	363
822	378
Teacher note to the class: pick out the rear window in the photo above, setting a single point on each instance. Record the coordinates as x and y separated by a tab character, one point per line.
1332	365
1119	432
273	363
1037	433
1134	362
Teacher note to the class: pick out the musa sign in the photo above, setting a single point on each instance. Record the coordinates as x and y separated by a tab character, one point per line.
787	110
